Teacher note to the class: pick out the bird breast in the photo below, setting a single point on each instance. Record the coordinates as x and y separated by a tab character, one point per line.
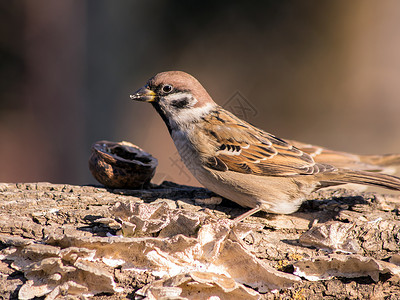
186	150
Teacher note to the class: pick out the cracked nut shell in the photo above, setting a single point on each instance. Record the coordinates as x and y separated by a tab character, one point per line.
121	165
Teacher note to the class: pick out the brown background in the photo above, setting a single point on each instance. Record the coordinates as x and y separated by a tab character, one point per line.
324	72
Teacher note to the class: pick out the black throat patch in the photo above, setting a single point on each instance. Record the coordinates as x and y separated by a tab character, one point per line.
162	114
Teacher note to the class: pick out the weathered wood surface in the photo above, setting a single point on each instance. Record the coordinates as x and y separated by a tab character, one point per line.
347	242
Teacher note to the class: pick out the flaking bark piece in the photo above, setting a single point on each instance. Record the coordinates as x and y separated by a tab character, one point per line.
395	259
182	223
197	285
347	266
256	273
53	271
10	240
331	236
141	219
143	253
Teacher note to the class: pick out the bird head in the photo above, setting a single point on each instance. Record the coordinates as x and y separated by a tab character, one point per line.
177	96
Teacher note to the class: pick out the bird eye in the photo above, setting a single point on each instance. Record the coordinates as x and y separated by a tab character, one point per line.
167	88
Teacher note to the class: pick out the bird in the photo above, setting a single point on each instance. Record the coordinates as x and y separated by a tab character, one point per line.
248	165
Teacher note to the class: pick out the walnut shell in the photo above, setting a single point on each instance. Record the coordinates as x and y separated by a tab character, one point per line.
121	165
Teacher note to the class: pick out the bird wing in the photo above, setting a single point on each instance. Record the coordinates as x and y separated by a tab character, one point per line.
373	163
327	156
243	148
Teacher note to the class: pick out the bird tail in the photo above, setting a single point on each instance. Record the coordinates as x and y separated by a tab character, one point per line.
381	160
367	178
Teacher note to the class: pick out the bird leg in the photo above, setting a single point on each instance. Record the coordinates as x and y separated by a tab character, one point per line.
247	214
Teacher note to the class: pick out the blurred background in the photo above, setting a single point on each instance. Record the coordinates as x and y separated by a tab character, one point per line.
323	72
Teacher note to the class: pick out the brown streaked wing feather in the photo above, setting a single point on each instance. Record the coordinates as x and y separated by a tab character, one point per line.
339	159
321	154
243	148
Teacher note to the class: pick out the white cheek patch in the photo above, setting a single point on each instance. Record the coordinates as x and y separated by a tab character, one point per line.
182	114
192	114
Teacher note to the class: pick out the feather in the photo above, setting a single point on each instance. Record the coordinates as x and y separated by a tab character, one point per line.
243	148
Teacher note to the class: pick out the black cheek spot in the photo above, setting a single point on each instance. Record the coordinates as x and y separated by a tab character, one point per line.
181	103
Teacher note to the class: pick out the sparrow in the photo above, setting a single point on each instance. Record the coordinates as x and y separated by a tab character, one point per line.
245	164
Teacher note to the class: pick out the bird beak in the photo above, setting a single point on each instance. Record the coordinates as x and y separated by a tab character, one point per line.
144	94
